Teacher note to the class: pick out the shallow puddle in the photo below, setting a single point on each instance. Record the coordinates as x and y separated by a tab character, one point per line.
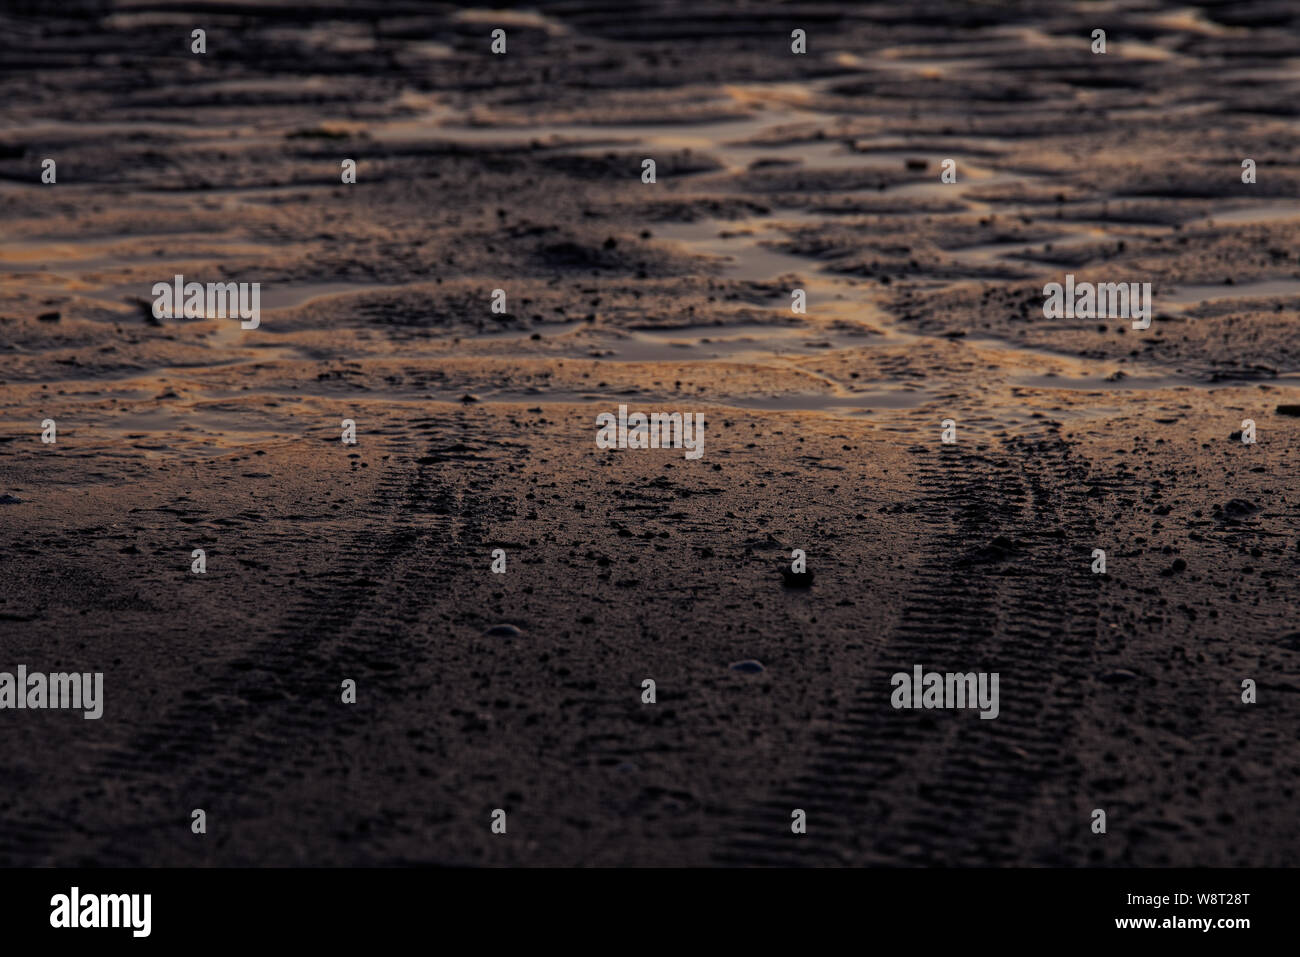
1195	294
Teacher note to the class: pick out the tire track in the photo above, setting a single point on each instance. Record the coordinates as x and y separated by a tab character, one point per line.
235	737
940	787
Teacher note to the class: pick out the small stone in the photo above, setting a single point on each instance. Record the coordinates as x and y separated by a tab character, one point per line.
1239	508
1000	549
503	631
747	667
10	500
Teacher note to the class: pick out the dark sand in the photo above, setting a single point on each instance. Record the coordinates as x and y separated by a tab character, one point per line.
371	562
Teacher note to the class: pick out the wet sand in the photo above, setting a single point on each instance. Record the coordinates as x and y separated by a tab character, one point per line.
475	431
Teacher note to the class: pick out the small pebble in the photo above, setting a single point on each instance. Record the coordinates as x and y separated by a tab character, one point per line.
1239	508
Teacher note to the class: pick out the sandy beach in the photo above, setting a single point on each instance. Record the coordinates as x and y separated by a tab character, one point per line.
476	431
